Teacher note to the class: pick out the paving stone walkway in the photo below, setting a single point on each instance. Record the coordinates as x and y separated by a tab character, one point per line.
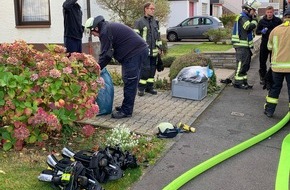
150	110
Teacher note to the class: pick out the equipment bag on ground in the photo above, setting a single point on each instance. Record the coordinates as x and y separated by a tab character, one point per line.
105	96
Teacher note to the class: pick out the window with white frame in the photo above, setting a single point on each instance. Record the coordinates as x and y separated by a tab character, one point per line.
32	12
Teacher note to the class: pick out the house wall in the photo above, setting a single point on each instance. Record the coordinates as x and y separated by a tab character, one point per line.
53	34
179	12
234	5
198	7
217	10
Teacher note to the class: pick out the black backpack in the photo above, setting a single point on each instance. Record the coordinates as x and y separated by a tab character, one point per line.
67	175
102	163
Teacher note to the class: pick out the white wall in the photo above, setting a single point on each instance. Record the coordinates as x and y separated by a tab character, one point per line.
234	5
179	12
53	34
198	7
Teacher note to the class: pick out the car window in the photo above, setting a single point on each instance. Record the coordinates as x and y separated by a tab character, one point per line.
185	23
207	21
196	21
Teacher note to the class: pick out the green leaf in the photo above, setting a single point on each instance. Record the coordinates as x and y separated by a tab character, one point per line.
7	146
2	102
12	84
6	136
20	118
28	104
11	93
5	77
44	136
32	139
75	89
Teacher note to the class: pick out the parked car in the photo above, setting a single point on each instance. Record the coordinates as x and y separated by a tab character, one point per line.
193	27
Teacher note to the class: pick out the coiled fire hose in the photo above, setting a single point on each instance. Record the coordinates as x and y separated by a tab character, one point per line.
282	179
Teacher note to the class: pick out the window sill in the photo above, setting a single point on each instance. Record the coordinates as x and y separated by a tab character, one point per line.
33	26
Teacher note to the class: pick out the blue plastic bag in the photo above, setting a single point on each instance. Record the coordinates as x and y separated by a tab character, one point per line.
105	96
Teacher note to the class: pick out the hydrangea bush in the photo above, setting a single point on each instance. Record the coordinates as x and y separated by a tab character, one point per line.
41	91
122	137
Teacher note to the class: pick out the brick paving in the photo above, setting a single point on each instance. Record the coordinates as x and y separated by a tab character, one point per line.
150	110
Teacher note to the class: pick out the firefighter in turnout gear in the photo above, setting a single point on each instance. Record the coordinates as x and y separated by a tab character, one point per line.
278	43
148	28
242	39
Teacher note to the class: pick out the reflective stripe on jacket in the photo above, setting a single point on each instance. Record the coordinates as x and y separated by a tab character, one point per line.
148	29
242	34
279	43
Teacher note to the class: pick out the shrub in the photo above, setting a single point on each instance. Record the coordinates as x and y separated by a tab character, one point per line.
216	35
162	84
193	59
117	78
41	91
168	60
228	20
164	46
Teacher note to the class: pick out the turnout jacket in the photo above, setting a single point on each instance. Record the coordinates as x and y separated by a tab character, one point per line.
148	29
72	15
270	24
279	43
242	34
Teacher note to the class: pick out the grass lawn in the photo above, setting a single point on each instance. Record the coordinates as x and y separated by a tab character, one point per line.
20	169
181	49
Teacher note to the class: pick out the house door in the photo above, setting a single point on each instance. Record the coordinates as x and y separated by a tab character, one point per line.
191	9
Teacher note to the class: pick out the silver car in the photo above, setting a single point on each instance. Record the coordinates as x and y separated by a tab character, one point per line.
193	27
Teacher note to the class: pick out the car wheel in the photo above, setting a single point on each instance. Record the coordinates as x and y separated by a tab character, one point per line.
172	37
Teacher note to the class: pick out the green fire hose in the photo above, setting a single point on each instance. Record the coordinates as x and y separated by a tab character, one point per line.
282	174
282	178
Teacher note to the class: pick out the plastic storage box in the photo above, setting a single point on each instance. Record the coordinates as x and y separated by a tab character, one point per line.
188	90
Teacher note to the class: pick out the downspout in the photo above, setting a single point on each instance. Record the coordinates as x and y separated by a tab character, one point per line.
90	48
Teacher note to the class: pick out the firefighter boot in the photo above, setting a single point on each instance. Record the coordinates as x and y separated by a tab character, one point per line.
269	109
151	91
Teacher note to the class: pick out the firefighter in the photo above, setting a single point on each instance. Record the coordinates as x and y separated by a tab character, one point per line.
264	28
148	28
278	43
128	48
242	39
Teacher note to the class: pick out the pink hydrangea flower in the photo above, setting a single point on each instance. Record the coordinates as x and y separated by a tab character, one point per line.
34	77
88	130
21	133
67	70
54	73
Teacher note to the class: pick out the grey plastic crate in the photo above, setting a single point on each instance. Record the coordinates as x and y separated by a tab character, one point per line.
188	90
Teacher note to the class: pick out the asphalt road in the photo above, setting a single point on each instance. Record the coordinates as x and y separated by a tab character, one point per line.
235	116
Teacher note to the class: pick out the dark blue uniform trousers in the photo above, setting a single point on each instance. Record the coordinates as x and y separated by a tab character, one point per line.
130	75
72	45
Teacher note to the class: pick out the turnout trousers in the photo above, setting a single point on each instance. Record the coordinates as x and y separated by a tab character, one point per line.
243	58
147	74
274	92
